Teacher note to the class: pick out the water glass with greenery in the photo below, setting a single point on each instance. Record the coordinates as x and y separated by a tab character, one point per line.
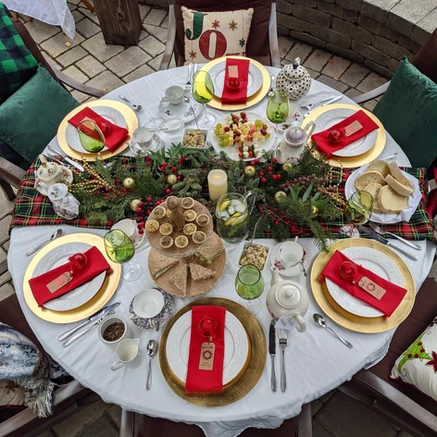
249	285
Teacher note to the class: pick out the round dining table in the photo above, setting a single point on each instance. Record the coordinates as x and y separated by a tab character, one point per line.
316	361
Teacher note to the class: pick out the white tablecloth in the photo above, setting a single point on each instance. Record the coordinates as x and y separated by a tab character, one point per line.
54	12
316	361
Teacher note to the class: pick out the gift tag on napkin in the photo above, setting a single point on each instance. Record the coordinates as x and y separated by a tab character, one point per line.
285	322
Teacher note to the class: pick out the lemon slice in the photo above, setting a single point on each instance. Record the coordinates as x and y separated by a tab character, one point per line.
224	205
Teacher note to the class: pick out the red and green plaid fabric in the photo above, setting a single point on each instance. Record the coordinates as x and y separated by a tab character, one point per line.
17	65
33	209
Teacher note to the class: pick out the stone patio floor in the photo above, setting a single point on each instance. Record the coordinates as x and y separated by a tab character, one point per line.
90	61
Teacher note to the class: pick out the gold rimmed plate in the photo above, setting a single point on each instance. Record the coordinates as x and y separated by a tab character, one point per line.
252	100
366	325
99	300
128	115
249	377
352	161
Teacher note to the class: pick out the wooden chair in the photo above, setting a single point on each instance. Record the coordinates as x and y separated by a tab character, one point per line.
425	61
400	403
137	425
263	33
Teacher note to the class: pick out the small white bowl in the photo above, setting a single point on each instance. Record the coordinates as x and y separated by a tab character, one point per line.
255	244
148	303
109	321
205	135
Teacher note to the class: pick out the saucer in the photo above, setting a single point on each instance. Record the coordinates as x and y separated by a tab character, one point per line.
156	321
182	111
289	271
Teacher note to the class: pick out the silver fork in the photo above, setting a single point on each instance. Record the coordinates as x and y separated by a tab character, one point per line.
76	337
379	231
190	76
283	345
311	105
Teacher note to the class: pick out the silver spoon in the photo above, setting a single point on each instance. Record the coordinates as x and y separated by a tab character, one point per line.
55	235
310	106
136	107
254	231
152	349
322	323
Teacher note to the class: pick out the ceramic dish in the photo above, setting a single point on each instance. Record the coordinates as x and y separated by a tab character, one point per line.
266	264
330	118
405	215
110	114
236	347
80	295
254	79
205	134
66	178
288	272
109	321
187	110
232	151
379	264
143	311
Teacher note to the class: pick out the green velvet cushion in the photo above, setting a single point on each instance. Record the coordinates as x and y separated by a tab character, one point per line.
30	118
408	111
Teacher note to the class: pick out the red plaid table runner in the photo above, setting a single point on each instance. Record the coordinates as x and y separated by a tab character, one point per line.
33	209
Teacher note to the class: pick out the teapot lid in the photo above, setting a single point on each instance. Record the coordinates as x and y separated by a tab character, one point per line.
294	71
288	295
48	170
295	135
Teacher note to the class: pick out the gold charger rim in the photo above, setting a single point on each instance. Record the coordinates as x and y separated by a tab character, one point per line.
246	382
95	304
131	125
348	320
256	98
359	160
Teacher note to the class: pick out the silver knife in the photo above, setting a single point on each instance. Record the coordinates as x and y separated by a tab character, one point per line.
383	240
329	102
272	352
91	319
66	158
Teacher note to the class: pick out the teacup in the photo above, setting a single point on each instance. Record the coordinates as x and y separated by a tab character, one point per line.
142	140
127	226
291	253
174	95
127	350
108	322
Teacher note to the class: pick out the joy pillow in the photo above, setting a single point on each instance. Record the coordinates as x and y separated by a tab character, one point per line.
211	35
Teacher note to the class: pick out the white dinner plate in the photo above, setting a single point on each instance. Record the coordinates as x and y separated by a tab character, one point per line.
254	79
329	118
379	264
111	114
80	295
236	347
232	151
385	218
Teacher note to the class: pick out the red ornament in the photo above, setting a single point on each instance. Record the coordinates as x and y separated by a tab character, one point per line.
269	169
274	160
168	190
334	136
274	177
348	271
207	327
77	262
263	180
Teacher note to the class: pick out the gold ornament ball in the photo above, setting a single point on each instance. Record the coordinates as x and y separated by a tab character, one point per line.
250	171
280	196
314	211
171	179
134	204
128	183
287	166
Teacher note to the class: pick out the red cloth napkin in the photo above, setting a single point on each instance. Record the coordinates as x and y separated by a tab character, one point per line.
387	304
114	135
96	264
239	95
199	381
328	147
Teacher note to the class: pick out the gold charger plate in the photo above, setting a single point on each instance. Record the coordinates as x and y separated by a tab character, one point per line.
350	321
352	161
131	125
93	305
244	384
256	98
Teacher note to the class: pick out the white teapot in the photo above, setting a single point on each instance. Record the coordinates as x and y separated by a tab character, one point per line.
294	79
49	172
287	298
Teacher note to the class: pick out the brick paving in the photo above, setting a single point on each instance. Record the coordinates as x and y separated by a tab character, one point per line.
90	61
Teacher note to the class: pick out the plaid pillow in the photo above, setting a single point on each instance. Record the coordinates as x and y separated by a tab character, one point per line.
17	65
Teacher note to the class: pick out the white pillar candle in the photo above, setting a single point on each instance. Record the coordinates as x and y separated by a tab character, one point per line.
217	184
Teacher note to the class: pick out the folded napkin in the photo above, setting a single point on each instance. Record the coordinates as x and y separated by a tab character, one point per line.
387	304
239	95
335	138
199	381
114	135
96	264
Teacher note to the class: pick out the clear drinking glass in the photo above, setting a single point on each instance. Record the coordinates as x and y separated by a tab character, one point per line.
120	249
90	136
232	217
358	208
249	285
203	92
